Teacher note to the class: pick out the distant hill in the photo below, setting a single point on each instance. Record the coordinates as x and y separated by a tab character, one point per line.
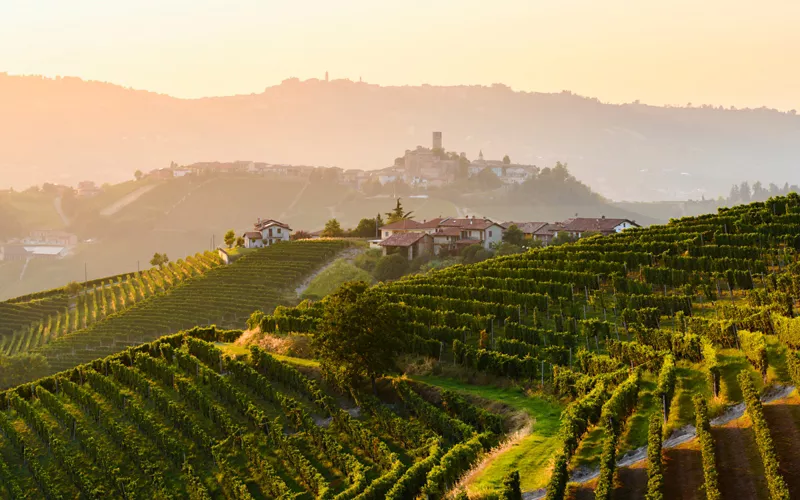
64	130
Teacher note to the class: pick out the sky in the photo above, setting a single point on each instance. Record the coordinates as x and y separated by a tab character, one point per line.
732	53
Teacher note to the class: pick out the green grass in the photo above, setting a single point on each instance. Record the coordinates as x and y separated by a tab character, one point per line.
636	434
332	278
533	453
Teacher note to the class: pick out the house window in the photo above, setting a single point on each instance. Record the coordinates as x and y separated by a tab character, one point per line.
490	234
279	230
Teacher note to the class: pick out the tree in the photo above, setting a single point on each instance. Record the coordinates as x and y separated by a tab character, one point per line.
332	229
514	235
73	288
301	235
367	228
506	160
138	175
398	214
239	241
561	238
511	487
390	267
359	336
506	248
159	259
230	238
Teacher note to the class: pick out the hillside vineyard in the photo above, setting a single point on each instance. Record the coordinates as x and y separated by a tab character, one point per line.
128	310
633	336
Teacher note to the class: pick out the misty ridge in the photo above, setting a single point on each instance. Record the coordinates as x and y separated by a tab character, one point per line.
66	130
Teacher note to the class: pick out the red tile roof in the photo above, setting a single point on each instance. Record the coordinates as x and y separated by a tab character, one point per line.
401	225
252	235
270	222
526	227
601	224
468	223
402	239
447	231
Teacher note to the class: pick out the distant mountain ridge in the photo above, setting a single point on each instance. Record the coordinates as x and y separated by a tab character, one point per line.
67	129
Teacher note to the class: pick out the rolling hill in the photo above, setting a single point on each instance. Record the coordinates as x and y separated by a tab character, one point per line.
105	132
659	360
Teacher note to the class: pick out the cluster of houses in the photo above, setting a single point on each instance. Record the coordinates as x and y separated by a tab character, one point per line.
448	235
421	168
41	244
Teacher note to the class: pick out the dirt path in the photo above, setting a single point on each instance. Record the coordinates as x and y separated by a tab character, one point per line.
631	482
738	462
348	254
683	472
60	210
125	201
294	201
684	435
783	419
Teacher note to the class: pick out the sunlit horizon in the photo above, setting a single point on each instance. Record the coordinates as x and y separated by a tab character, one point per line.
718	53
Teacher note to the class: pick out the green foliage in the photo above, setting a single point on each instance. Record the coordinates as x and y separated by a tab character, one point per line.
331	278
666	385
703	426
159	259
368	259
390	267
397	214
359	336
776	483
332	229
230	238
514	235
754	346
655	468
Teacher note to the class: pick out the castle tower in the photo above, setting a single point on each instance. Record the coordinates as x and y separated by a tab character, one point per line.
437	140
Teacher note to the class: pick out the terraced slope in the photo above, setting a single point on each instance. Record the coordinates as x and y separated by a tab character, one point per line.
176	418
597	320
58	312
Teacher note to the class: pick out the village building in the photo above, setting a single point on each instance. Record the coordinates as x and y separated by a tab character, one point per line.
450	233
266	232
578	226
409	245
529	229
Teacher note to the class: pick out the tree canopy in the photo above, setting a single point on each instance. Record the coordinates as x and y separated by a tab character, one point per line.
230	238
159	259
359	337
514	235
333	229
390	267
398	214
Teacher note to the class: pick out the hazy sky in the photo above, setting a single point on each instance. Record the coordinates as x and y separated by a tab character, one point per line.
732	52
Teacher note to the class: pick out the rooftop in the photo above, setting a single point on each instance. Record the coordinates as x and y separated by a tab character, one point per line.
402	239
600	224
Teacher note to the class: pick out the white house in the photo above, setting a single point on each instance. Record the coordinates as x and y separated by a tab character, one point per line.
266	232
576	227
450	233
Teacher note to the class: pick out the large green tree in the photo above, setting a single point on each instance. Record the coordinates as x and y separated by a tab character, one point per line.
230	238
390	267
332	229
360	336
514	235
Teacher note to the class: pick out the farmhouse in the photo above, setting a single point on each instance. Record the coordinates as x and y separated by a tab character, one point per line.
578	226
409	245
449	233
266	232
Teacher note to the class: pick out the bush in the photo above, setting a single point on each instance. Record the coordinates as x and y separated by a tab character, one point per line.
368	260
390	267
417	263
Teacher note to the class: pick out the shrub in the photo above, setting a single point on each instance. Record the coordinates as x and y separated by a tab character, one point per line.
390	267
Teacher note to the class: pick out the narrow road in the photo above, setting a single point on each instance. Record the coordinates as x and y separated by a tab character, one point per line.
125	201
347	253
60	211
295	201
